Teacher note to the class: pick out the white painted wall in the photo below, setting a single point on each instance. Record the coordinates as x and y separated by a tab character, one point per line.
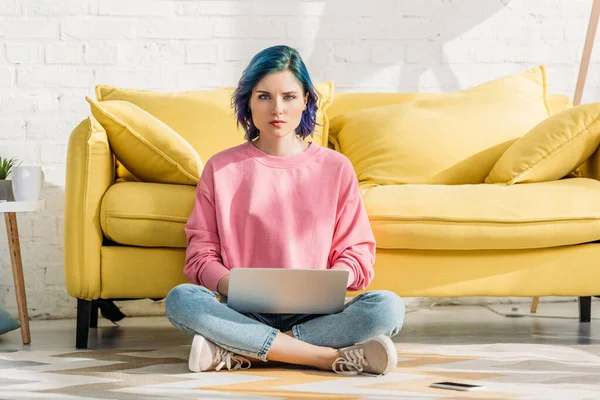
53	52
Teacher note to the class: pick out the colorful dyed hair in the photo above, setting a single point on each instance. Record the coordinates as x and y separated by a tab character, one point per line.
274	59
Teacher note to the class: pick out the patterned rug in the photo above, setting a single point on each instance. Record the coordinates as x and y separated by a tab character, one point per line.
509	371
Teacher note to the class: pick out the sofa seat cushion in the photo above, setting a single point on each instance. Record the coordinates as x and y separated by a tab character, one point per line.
147	214
485	216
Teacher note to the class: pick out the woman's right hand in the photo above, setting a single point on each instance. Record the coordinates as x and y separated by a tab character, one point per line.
223	285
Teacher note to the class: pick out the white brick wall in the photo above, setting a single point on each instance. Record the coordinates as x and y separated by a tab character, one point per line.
53	52
63	53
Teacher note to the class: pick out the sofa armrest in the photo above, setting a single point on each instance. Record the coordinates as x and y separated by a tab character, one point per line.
90	172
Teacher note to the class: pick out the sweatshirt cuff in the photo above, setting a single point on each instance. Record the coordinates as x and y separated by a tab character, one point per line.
345	267
212	274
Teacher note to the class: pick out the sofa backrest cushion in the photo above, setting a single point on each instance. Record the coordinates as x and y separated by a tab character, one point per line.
146	146
448	138
552	149
204	117
352	101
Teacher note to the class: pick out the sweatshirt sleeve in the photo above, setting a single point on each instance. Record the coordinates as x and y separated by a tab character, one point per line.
203	263
353	246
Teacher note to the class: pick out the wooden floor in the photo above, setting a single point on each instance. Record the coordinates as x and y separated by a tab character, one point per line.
549	356
555	323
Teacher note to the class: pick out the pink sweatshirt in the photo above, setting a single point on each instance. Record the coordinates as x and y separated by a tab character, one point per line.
255	210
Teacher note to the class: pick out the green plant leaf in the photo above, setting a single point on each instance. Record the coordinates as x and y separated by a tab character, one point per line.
6	165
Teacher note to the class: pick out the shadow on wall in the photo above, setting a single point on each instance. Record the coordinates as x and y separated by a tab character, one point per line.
395	41
378	45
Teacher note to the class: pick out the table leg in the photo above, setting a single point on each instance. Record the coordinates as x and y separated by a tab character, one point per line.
534	304
14	248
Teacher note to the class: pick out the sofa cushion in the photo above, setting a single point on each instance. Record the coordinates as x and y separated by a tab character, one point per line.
427	217
147	214
454	138
552	149
205	117
146	146
352	101
478	217
123	174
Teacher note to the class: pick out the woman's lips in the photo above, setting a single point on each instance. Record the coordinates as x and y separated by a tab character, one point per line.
277	123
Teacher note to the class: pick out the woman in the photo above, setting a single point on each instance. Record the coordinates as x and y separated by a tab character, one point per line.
281	202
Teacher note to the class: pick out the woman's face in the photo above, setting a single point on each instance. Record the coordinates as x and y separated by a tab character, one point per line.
277	104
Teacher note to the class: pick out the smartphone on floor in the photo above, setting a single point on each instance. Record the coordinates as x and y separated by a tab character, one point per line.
463	387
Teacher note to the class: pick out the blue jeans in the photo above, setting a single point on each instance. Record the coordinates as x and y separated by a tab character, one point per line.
196	310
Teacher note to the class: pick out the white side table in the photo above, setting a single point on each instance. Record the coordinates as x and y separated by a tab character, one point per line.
10	208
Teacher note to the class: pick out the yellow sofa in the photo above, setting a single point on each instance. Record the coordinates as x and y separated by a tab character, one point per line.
124	239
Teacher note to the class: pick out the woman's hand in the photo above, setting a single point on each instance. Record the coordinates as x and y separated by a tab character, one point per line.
223	285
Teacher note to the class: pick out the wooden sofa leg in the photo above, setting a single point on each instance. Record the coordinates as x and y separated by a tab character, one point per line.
585	309
84	309
94	315
534	304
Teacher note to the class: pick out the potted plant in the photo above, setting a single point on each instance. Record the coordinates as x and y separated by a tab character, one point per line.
6	165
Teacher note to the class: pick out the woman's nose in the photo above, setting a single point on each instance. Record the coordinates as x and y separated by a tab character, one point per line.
277	108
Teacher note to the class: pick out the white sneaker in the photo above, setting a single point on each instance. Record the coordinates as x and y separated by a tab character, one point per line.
207	356
376	356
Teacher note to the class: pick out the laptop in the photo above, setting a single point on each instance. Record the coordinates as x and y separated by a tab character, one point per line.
287	291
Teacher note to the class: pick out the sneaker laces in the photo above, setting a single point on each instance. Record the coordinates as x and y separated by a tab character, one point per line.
227	358
352	363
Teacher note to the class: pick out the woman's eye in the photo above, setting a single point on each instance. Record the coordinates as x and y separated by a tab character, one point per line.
266	96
